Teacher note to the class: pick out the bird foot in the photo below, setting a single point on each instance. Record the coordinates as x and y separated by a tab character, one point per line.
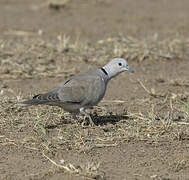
87	121
86	116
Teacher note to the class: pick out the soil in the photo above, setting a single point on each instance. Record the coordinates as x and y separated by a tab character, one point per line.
165	156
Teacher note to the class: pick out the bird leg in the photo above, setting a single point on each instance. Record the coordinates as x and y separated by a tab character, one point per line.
82	111
74	116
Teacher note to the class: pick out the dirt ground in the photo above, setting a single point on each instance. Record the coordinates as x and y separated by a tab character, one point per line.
142	124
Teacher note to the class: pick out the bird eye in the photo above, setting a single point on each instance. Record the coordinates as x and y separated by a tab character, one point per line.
120	64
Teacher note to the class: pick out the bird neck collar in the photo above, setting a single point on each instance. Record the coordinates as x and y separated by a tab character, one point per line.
104	71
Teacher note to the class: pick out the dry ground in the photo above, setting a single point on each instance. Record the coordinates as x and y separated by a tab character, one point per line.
142	124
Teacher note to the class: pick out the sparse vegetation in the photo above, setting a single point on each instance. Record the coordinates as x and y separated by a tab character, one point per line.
142	126
41	58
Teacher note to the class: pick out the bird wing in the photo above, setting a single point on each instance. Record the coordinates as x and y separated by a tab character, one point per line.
81	90
77	89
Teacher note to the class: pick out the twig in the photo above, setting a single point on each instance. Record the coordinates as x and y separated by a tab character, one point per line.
151	93
32	148
113	101
182	123
60	166
71	168
104	145
144	87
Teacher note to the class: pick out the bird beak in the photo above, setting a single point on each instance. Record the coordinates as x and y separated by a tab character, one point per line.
130	69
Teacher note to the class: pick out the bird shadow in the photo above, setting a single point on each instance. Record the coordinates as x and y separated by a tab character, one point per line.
107	119
98	120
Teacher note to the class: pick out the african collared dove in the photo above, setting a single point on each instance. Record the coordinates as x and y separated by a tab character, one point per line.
81	91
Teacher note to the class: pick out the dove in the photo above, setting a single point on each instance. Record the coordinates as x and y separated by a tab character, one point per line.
82	91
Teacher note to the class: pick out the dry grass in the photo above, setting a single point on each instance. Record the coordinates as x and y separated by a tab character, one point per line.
49	129
90	170
35	57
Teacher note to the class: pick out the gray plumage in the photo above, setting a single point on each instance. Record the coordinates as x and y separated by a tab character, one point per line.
81	91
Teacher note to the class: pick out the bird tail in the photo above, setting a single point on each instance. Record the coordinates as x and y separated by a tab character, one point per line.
36	100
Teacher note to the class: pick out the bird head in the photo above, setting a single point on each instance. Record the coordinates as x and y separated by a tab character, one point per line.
116	66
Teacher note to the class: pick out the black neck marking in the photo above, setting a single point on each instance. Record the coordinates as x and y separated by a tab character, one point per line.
104	71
